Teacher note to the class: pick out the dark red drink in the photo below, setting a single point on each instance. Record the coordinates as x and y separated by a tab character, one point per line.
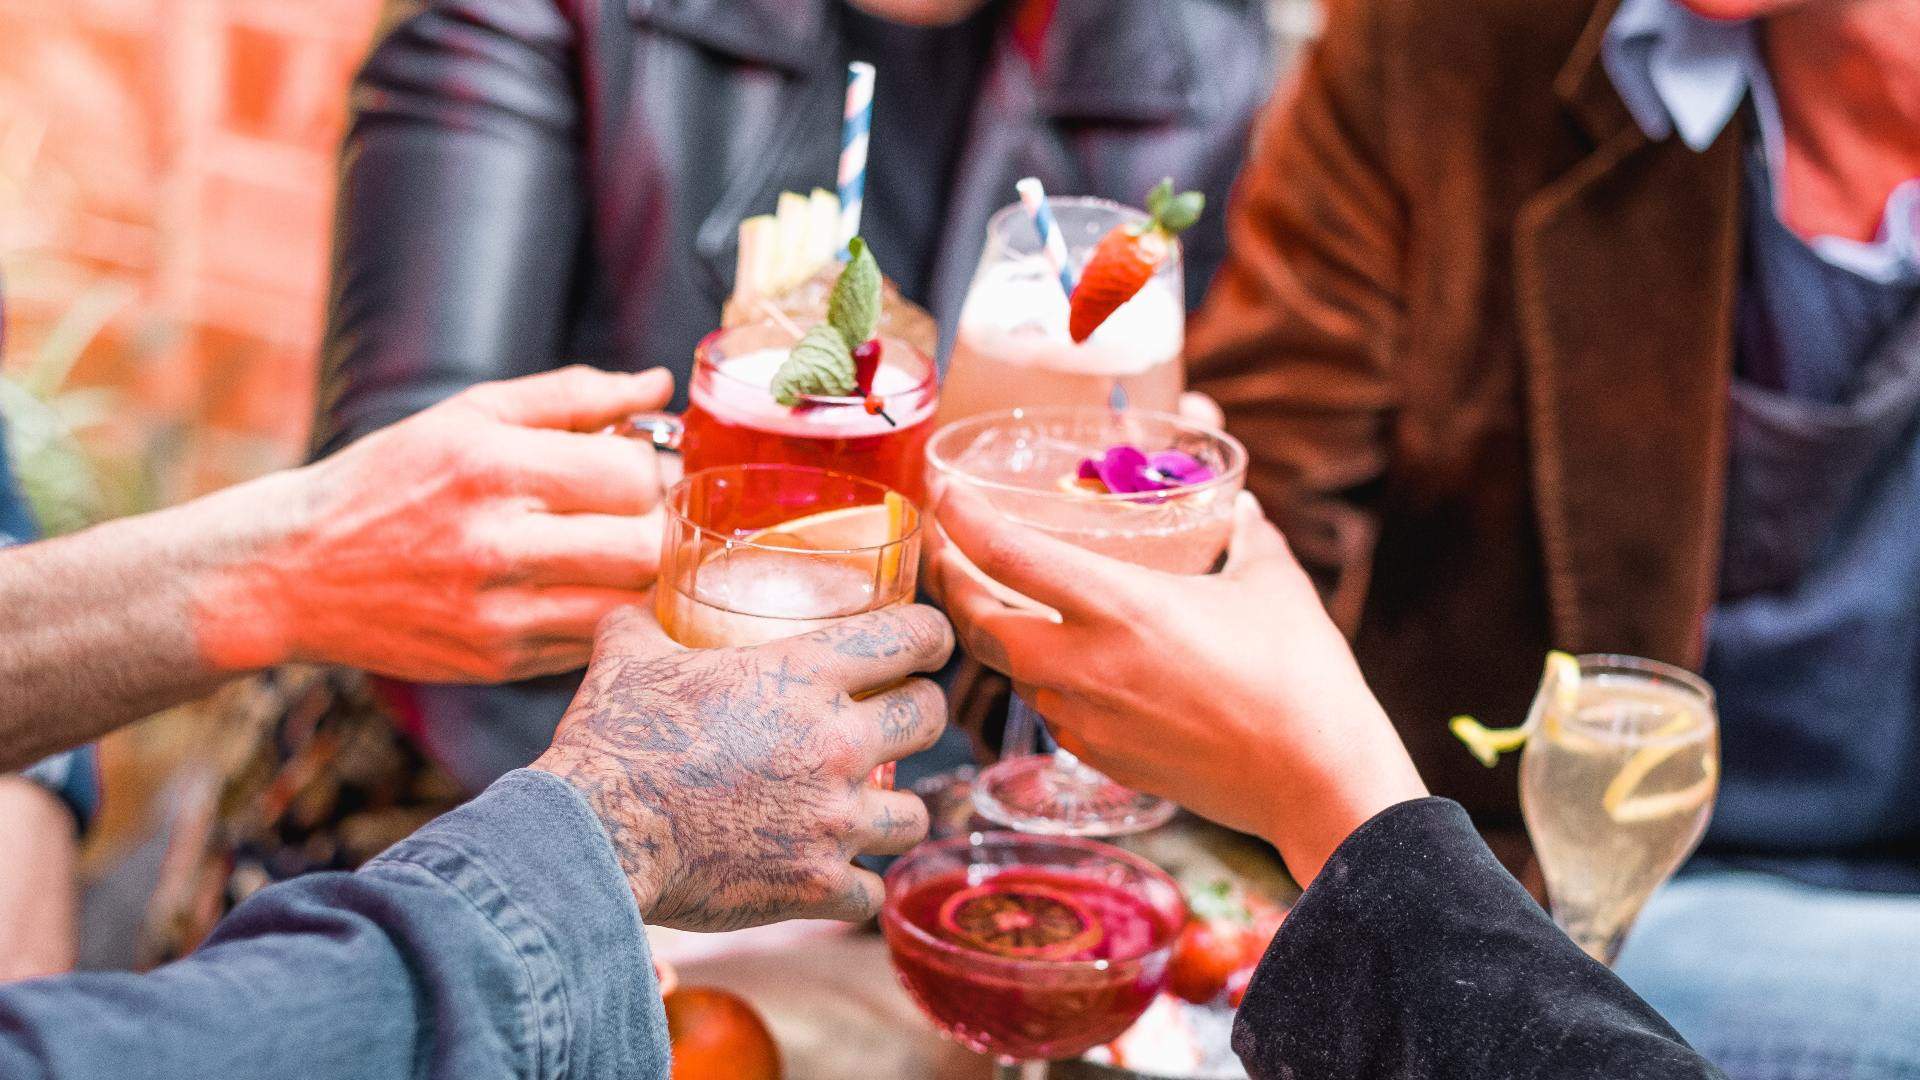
732	418
1028	947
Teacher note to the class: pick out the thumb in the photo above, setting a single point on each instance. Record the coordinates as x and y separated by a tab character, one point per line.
1255	539
633	630
576	398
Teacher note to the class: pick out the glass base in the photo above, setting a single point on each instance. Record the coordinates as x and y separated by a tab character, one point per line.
1039	793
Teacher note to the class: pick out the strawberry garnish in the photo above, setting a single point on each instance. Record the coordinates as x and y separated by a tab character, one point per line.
1126	258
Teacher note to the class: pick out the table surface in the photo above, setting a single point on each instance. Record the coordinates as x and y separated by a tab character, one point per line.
837	1011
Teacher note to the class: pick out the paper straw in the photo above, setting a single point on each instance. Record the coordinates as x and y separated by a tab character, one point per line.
853	148
1053	244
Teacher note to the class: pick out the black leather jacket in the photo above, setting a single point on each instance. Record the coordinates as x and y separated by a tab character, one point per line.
532	182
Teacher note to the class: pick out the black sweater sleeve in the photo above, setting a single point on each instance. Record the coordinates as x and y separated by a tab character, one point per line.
1414	954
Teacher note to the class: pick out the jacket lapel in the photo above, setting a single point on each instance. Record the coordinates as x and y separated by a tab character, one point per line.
1625	270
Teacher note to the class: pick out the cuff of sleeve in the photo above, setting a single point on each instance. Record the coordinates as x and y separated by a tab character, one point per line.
535	861
74	779
1342	941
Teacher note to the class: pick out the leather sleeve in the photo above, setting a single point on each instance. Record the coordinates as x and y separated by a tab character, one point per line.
1414	954
460	214
1297	337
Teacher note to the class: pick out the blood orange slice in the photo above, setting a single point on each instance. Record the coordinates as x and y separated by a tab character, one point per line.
1020	920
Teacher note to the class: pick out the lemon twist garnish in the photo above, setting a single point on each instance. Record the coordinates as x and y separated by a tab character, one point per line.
1628	809
1559	690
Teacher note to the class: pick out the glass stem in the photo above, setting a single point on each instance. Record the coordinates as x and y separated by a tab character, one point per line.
1024	724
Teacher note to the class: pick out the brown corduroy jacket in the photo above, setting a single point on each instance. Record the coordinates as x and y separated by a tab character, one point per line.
1476	330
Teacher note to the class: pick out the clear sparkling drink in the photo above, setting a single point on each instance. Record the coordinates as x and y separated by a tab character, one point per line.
1617	792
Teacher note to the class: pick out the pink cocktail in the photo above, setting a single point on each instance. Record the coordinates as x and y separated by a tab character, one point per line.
733	419
1030	948
1029	464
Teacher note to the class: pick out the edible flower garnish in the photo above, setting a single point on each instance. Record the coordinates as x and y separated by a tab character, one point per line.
1129	470
837	358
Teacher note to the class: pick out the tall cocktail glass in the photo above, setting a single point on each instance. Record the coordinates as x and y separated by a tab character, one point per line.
1030	948
1617	783
1012	347
1025	461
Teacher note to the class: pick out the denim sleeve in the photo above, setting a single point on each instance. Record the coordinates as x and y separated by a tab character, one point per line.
1415	954
501	940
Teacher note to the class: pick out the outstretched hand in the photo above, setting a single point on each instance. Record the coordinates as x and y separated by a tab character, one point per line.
733	782
481	540
1232	694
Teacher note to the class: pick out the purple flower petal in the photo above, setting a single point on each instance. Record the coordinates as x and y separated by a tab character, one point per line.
1089	469
1179	469
1124	470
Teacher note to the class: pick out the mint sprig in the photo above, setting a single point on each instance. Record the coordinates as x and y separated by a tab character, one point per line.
821	363
853	308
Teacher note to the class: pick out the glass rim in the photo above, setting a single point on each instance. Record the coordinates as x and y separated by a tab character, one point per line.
1657	671
1235	471
677	494
927	383
1002	838
997	224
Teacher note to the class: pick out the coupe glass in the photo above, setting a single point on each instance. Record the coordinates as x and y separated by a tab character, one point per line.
1617	783
1012	348
1022	1010
1023	461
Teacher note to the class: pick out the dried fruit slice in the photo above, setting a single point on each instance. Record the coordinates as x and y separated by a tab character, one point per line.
1020	920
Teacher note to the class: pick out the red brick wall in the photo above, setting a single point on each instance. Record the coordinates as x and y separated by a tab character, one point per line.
184	149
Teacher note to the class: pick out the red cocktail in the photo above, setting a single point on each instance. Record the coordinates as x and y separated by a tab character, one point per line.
1030	948
733	419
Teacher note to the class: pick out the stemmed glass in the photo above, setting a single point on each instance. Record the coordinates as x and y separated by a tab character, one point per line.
1616	784
1030	948
1012	348
1024	462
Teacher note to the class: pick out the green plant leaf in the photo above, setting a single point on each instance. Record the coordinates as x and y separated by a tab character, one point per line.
853	308
820	365
1184	209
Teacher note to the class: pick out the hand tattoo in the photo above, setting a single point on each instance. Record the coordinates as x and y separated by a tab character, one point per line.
732	782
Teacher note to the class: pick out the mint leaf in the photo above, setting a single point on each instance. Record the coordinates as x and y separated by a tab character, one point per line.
820	365
853	308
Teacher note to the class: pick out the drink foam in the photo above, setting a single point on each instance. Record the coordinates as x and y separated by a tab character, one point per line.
1017	314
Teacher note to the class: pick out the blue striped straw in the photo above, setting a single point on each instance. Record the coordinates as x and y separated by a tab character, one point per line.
854	132
1053	244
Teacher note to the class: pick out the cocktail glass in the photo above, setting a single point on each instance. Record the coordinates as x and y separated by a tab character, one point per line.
1616	784
756	553
733	419
1041	988
1012	347
1024	462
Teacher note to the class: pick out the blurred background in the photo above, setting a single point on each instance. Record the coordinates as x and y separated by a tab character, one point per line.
166	188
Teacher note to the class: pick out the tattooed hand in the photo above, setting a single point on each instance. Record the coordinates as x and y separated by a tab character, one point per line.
733	782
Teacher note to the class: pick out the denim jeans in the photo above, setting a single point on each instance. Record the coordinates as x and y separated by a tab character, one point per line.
1773	979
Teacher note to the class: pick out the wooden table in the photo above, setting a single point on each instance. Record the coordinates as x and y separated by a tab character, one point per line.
837	1011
